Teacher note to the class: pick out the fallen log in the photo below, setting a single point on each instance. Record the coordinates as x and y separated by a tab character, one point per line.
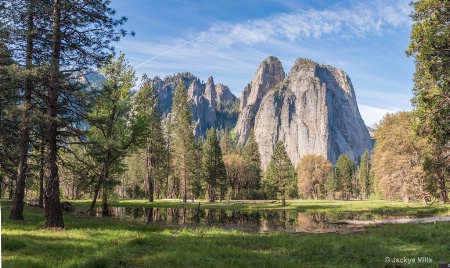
396	221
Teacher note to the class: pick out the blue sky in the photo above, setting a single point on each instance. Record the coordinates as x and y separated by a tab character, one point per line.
228	39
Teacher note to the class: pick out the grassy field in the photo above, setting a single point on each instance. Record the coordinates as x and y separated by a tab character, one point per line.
106	242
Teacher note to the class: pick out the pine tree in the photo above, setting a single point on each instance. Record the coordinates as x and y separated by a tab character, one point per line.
364	175
115	125
226	143
280	174
17	209
213	168
168	167
344	175
9	119
183	140
72	35
147	102
430	46
197	189
251	155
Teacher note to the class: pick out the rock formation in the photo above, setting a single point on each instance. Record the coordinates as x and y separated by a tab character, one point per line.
269	74
208	100
313	111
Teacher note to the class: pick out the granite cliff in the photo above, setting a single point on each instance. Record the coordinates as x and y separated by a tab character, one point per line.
213	105
269	74
313	110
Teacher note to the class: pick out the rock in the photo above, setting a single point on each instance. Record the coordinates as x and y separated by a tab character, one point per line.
269	74
208	100
67	207
224	94
32	203
313	111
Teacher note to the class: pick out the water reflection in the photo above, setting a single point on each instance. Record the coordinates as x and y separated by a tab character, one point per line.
251	221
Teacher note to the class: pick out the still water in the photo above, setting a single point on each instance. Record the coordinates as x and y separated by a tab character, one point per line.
262	221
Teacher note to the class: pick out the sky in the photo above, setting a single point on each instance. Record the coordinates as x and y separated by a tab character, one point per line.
229	39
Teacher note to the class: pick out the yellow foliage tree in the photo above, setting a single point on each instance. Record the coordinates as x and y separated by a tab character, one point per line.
398	159
313	171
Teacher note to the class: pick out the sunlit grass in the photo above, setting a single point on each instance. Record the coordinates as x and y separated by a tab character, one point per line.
89	241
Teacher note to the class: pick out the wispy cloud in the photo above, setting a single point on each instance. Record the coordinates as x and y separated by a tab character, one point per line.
338	35
337	23
359	20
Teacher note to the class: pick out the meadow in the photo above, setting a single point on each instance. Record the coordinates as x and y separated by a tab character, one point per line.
89	241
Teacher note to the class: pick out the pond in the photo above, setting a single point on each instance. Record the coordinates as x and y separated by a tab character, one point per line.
261	221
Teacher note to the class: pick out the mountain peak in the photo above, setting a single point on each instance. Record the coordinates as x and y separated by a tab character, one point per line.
313	112
269	74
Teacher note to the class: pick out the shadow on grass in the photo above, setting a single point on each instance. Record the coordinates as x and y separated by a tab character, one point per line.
106	242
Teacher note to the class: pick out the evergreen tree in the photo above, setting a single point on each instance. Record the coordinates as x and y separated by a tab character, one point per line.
65	36
9	120
197	189
168	170
183	140
253	158
134	178
430	46
280	175
115	125
17	209
147	102
226	143
213	168
364	175
331	184
344	175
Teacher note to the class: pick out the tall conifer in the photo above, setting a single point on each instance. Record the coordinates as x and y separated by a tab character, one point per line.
183	140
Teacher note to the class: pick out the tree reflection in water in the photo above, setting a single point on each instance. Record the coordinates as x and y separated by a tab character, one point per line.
250	221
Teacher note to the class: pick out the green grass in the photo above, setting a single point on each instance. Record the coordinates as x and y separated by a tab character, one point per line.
107	242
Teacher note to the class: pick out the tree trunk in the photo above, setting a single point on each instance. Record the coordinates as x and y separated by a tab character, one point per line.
73	188
100	183
149	164
157	189
184	182
96	190
53	214
41	176
123	187
17	209
11	188
105	208
443	190
167	193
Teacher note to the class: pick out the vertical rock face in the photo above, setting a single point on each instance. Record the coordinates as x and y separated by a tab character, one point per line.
206	100
313	111
269	74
